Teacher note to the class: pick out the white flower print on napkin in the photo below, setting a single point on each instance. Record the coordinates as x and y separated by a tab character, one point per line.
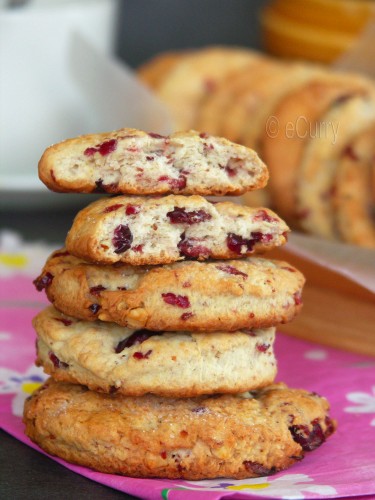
288	486
365	403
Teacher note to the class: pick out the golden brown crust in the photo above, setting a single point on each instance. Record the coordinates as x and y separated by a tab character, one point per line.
153	72
220	295
322	159
200	438
194	77
216	107
297	116
130	161
106	357
352	197
151	236
248	118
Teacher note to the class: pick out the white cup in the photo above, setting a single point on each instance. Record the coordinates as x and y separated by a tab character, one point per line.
39	101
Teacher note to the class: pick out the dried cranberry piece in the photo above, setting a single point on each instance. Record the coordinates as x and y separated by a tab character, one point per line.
157	136
341	99
259	469
186	316
99	186
140	355
112	208
303	214
178	184
56	362
290	269
94	308
230	171
330	426
263	347
138	248
235	242
122	239
203	135
90	151
132	209
181	216
350	153
209	85
95	290
104	149
176	300
207	148
43	281
231	270
257	237
105	188
66	322
60	254
135	338
308	439
149	158
297	298
262	215
189	248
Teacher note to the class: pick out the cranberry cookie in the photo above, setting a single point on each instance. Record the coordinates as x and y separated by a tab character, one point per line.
234	436
215	108
107	357
297	116
130	161
321	160
353	196
195	76
192	296
153	71
163	230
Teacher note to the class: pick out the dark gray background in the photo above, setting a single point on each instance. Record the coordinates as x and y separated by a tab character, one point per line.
144	29
148	27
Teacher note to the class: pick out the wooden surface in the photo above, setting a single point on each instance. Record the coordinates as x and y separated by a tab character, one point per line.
336	311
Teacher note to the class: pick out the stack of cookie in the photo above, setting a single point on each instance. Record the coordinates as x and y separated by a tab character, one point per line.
160	338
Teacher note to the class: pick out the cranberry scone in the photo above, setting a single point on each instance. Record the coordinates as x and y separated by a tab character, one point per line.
234	436
304	107
130	161
217	105
192	79
353	195
321	160
190	295
109	358
163	230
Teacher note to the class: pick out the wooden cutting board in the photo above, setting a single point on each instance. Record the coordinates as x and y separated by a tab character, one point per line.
337	312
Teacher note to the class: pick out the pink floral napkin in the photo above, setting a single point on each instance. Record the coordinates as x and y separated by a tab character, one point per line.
342	467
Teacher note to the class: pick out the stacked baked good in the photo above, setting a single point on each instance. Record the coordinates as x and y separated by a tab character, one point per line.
308	123
160	338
